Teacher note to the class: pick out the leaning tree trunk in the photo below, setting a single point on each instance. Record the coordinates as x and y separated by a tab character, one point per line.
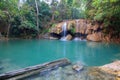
37	23
9	24
53	16
8	30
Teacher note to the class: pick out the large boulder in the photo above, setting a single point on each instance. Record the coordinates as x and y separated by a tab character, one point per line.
95	73
95	37
53	38
112	68
68	37
95	27
109	71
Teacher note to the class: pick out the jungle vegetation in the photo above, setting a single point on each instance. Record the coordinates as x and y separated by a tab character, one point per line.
22	18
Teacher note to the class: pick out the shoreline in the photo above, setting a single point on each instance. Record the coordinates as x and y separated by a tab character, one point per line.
117	41
110	71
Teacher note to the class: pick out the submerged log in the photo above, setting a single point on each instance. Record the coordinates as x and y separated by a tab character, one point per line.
22	73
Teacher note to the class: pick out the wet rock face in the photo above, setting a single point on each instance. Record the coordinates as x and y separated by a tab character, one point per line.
81	28
69	37
95	37
66	38
97	74
106	72
112	68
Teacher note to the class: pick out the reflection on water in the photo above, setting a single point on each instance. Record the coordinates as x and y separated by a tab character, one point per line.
16	54
64	50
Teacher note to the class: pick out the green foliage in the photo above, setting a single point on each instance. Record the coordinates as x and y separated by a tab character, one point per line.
106	11
2	15
23	16
72	28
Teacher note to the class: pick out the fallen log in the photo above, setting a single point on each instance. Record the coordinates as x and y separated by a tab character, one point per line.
25	72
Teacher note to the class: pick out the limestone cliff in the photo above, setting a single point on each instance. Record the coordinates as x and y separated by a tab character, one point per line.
85	29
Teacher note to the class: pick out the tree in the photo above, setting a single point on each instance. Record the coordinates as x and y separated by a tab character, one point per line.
37	13
9	12
108	12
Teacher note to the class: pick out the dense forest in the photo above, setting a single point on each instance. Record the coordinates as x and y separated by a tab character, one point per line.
30	18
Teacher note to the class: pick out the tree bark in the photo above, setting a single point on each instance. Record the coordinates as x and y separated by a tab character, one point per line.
8	29
37	23
53	18
32	70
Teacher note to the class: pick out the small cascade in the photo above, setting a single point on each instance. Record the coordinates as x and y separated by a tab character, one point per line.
77	26
79	39
64	29
78	35
77	30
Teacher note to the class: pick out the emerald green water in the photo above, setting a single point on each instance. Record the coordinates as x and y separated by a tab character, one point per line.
16	54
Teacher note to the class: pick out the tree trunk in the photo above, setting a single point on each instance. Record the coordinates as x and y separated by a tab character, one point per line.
8	29
53	18
37	23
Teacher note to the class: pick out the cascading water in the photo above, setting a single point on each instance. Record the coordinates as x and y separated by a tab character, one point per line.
77	26
77	30
64	29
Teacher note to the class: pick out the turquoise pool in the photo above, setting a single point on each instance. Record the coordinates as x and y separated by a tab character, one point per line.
16	54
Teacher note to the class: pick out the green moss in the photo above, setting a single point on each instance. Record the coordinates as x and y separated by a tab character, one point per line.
72	28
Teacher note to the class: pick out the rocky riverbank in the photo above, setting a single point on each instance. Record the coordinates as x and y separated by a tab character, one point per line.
112	70
81	72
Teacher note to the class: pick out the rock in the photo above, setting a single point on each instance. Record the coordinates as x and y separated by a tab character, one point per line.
118	74
77	68
107	38
82	26
88	31
95	37
95	27
68	37
112	68
106	72
53	38
95	73
117	78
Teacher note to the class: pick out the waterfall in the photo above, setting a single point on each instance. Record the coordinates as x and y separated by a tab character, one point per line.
77	38
64	29
77	26
77	30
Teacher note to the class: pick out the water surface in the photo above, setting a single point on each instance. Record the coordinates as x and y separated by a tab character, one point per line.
16	54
